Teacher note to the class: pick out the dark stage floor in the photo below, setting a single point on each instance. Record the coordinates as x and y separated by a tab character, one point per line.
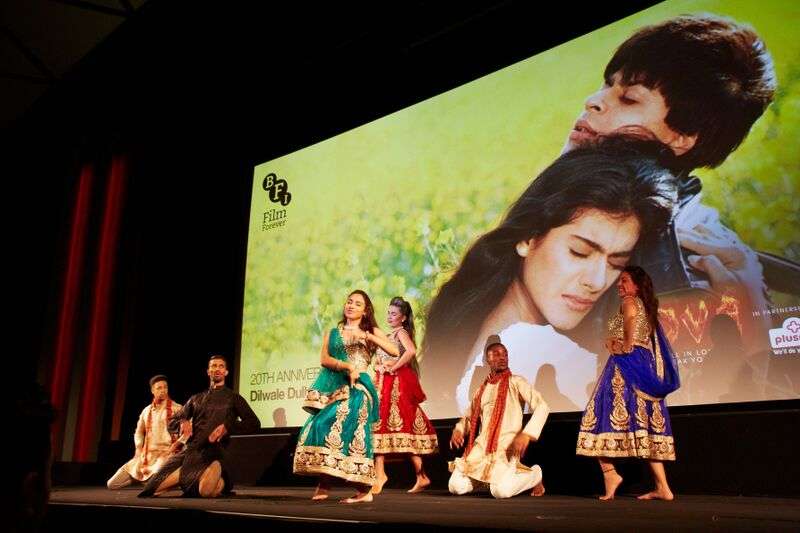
283	508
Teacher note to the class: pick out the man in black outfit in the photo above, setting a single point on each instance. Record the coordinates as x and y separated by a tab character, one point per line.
205	423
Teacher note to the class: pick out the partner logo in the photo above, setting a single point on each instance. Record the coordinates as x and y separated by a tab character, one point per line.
277	190
786	339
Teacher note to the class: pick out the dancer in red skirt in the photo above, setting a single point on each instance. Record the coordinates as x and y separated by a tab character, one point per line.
403	427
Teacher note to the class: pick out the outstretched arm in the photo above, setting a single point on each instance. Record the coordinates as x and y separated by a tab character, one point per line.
733	270
379	338
179	420
533	429
239	422
180	423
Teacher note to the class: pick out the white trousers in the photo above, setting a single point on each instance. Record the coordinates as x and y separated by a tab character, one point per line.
119	480
511	484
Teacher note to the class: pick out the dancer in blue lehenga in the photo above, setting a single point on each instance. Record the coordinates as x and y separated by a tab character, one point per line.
626	415
336	441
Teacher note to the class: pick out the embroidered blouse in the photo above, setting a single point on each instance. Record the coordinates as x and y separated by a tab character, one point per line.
641	331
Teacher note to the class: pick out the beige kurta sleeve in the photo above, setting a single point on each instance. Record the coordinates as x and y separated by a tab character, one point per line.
539	408
141	425
463	424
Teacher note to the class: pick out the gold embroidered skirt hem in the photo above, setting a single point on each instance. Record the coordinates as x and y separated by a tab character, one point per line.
386	443
639	444
316	460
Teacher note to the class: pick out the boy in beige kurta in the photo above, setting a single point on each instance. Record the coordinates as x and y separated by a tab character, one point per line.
151	438
492	455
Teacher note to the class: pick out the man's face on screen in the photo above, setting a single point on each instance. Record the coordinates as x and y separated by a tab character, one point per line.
568	269
626	110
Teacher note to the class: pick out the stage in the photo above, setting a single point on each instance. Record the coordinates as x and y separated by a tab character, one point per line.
289	508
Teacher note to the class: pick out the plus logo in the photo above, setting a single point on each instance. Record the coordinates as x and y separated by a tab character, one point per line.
277	189
786	339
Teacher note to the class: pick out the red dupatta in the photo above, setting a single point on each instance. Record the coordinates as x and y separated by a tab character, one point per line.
493	427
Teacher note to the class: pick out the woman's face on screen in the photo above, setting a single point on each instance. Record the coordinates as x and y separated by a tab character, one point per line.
567	270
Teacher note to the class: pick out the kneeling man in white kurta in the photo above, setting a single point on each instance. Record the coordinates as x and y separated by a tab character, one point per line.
492	456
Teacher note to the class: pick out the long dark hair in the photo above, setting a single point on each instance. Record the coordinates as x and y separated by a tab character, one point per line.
648	296
408	325
405	308
617	176
368	322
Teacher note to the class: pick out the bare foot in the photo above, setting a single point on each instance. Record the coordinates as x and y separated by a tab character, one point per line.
421	484
321	493
612	481
360	497
663	494
380	481
538	490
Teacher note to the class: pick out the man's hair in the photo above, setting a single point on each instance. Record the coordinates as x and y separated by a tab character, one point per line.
491	343
155	379
218	356
496	344
716	76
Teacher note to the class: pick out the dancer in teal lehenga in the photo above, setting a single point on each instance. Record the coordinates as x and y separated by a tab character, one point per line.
336	441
